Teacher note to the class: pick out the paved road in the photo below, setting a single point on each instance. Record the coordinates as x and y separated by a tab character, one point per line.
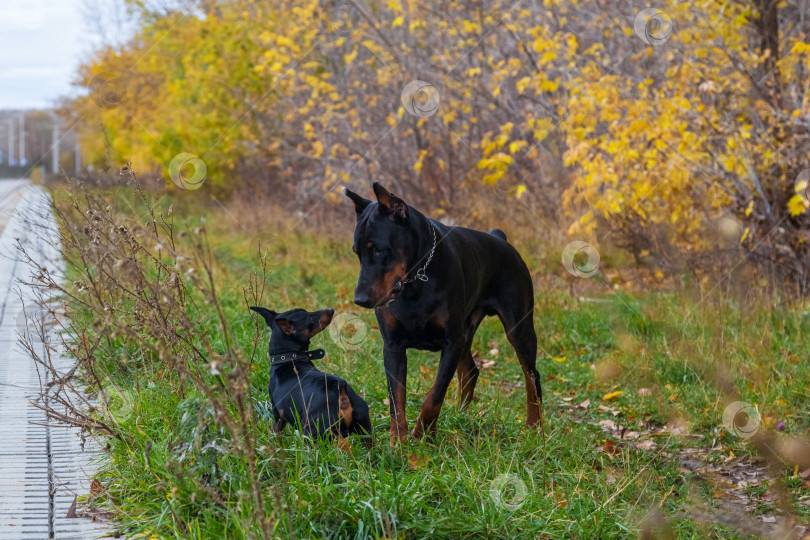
42	467
10	194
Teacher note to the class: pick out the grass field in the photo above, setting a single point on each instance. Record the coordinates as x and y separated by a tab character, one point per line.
634	432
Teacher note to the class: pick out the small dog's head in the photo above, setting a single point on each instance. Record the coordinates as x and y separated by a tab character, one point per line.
294	328
383	241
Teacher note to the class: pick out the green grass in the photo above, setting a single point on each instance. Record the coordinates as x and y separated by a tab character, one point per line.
668	343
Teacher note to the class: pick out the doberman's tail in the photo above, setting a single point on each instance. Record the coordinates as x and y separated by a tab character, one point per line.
498	234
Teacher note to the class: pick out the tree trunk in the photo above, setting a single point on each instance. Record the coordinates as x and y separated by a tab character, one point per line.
767	27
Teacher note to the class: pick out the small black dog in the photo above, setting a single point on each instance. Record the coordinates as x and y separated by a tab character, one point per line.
317	402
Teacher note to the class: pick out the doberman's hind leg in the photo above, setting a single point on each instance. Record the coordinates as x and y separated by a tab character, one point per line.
467	373
519	326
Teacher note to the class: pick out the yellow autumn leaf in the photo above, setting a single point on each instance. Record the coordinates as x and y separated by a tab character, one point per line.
349	58
515	146
796	205
521	189
556	358
612	395
749	208
522	84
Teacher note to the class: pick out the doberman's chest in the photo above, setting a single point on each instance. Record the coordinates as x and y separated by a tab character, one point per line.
413	330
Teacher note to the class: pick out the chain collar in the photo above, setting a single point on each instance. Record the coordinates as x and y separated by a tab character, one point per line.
420	274
276	359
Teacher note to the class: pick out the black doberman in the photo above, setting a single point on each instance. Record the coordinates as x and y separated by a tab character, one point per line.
430	286
317	402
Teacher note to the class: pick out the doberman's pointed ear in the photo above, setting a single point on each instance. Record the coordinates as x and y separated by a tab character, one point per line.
285	326
268	314
390	203
360	203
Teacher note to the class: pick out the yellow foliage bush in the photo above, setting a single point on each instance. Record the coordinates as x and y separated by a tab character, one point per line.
660	119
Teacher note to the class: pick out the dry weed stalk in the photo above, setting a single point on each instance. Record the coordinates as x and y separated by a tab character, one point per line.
148	287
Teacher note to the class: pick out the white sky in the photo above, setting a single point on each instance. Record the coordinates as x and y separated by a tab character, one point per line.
42	42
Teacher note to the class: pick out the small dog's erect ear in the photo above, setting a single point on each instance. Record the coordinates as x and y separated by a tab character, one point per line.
285	326
360	203
390	203
268	314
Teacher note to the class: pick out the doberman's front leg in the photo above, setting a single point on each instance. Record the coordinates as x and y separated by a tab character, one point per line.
451	354
396	371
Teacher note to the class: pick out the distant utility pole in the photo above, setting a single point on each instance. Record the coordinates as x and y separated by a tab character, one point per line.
23	160
11	141
55	150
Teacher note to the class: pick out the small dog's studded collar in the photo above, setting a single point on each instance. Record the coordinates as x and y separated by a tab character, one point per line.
284	358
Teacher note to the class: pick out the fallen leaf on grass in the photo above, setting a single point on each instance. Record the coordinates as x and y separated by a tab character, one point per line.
649	444
493	348
509	387
611	410
585	403
96	488
610	448
678	426
71	513
607	425
483	364
414	461
643	392
559	358
386	401
612	395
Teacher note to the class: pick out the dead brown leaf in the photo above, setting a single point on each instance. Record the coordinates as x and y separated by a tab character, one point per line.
611	448
608	425
414	461
71	513
585	403
96	488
